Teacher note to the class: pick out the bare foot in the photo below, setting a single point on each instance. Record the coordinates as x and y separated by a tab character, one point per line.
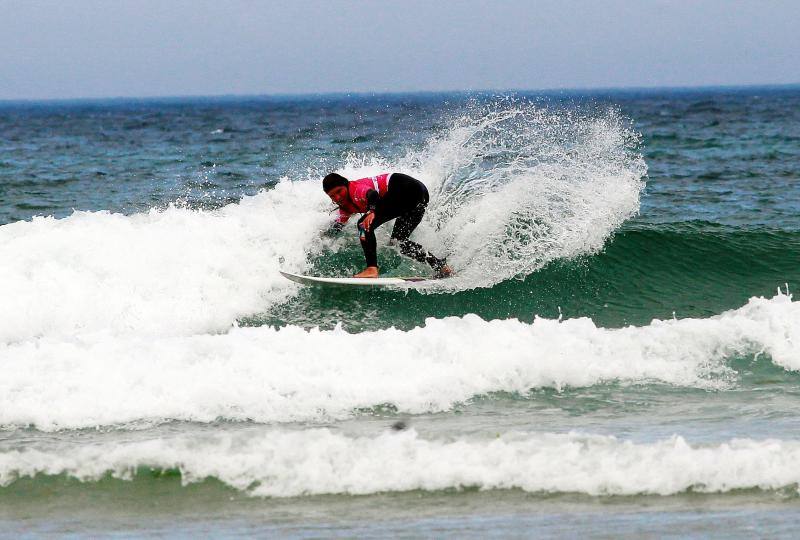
368	272
444	271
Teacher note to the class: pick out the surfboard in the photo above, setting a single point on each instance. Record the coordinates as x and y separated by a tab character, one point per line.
354	281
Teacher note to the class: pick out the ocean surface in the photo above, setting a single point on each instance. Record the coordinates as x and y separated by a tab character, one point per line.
617	355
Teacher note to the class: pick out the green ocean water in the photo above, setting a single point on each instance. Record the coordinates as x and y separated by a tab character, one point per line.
691	269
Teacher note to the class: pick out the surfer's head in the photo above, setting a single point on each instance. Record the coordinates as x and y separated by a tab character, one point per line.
335	185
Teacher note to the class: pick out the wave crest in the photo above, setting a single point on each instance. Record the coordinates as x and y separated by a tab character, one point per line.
319	461
290	374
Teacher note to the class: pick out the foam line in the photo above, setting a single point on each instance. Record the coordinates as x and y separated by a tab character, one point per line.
319	461
290	374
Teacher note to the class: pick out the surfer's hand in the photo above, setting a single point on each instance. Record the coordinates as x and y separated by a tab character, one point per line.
367	221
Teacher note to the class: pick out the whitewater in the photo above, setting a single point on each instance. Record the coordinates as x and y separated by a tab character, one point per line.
290	374
318	461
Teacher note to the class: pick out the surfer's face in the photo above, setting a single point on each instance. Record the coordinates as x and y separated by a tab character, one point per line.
338	195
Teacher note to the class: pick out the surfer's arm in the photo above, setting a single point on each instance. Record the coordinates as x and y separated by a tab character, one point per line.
341	218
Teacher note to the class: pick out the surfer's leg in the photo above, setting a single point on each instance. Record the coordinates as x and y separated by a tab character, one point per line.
368	242
411	249
388	208
411	199
403	228
406	200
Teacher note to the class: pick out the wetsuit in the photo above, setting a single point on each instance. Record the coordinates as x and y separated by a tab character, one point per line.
390	196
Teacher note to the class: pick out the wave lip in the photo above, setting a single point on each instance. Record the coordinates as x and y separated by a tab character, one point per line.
271	375
319	461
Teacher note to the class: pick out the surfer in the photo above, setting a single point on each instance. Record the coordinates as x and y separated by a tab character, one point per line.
380	199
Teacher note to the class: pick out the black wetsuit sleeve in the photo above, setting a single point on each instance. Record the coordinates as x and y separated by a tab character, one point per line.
372	199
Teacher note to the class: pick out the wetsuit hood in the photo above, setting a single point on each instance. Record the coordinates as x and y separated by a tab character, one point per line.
334	180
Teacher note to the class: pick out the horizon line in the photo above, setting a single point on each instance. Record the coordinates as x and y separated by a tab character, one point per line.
367	93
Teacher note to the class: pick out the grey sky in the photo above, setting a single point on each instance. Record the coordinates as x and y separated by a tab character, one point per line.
88	48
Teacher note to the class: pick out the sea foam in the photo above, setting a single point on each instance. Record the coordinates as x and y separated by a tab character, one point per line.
165	272
515	185
319	461
290	374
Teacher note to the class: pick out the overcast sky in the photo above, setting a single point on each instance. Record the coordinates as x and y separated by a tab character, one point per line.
93	48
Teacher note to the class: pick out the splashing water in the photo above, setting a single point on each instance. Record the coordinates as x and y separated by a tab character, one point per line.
514	186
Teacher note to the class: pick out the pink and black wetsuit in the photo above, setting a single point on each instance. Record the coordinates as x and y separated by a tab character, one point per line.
389	196
364	196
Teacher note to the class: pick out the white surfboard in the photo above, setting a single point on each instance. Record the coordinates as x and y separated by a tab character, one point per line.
354	281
